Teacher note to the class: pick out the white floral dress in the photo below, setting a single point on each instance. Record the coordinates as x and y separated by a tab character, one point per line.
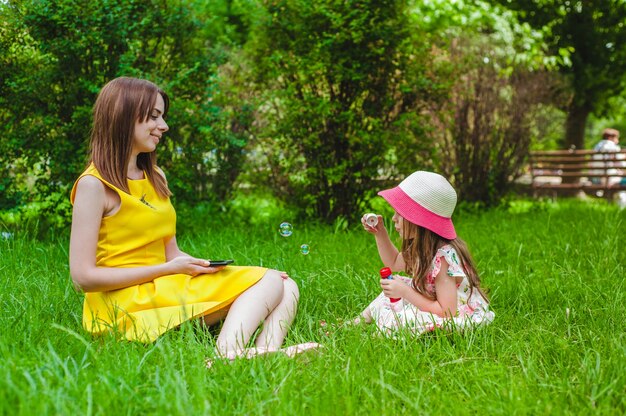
471	310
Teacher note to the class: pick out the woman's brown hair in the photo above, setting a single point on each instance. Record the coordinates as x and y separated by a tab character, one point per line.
121	103
420	249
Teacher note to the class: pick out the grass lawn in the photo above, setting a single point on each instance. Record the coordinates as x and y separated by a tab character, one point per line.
556	278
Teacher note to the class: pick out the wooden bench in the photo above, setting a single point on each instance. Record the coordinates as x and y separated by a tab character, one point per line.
567	172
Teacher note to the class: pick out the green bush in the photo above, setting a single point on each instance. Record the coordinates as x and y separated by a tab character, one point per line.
56	56
340	82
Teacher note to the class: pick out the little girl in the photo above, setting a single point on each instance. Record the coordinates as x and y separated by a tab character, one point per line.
444	287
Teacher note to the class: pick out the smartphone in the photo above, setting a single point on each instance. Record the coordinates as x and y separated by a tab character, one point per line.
220	262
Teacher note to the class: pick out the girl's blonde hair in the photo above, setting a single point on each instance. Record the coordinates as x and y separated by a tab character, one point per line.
419	250
122	103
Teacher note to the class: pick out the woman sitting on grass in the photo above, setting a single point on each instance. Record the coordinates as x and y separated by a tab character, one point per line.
444	287
123	250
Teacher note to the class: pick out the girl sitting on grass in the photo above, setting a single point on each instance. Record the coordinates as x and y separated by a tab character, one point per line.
444	287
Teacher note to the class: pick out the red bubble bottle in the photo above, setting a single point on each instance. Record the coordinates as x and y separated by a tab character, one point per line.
385	273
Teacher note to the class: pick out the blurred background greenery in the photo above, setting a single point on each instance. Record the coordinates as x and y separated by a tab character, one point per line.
313	105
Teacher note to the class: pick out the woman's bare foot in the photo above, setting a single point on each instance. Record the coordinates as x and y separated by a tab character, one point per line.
249	353
231	356
294	350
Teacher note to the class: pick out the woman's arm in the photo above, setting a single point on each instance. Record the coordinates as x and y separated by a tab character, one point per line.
445	305
171	249
90	204
175	254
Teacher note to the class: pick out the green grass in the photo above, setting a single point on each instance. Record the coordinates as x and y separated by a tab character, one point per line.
557	346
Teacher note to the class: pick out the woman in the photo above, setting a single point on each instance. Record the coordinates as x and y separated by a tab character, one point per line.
123	250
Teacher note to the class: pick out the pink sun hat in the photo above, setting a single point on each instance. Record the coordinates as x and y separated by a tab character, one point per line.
426	199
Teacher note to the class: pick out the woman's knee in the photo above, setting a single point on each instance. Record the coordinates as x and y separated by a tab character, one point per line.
291	289
273	280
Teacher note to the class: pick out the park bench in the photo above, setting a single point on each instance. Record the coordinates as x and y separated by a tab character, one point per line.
567	172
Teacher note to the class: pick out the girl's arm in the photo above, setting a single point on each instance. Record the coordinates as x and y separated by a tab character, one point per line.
90	204
388	252
445	305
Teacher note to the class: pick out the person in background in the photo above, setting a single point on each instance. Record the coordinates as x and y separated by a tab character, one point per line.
610	143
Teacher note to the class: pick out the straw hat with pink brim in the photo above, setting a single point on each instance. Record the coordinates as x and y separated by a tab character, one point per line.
426	199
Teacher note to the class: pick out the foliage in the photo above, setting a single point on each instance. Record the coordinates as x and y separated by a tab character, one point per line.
593	32
556	345
512	42
491	132
340	83
497	80
57	55
320	103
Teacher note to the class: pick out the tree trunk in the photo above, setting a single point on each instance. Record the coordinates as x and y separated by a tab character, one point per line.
575	126
575	132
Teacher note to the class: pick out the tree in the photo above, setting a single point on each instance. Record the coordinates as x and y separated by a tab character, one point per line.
56	55
494	72
486	129
593	32
340	82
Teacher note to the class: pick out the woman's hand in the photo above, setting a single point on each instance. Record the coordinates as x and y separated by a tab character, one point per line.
373	230
191	266
394	288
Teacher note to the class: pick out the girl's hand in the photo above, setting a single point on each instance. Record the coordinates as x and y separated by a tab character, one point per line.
191	266
373	230
284	275
393	288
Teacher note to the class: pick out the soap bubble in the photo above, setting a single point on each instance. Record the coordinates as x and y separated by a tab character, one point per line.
285	229
304	249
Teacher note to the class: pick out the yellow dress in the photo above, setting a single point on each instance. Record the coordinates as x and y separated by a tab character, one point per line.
135	236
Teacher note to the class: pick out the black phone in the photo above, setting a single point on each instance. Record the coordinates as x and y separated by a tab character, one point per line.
220	262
